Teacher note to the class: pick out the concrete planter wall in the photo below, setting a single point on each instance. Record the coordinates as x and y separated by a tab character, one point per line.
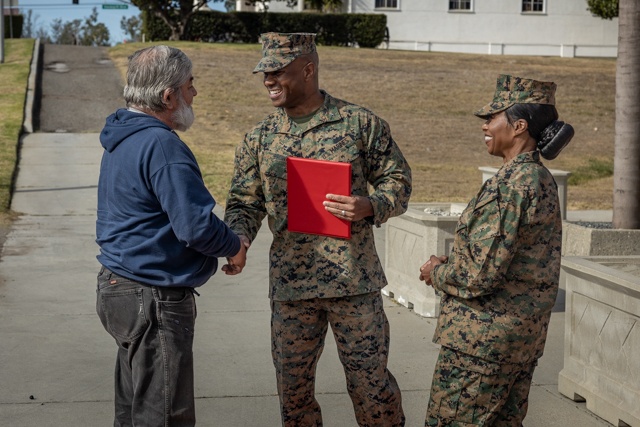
410	239
578	240
602	336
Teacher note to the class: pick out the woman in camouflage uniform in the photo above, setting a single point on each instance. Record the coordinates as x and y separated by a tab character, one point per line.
500	281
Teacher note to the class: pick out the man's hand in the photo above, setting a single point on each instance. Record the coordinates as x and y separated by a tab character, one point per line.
245	241
427	268
236	263
351	208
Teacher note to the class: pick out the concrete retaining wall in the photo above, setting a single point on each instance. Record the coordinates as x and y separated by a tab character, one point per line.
602	336
578	240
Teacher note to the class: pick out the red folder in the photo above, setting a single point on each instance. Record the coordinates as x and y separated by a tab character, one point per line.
308	182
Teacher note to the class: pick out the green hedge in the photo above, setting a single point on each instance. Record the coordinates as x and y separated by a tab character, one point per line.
367	30
14	22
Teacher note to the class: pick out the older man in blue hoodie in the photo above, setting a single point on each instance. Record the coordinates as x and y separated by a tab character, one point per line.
159	240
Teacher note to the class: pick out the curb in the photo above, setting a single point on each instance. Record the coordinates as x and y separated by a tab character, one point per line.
30	101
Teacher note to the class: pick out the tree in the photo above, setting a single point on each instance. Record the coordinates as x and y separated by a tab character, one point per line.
29	26
43	35
89	33
626	161
607	9
626	158
65	32
131	27
174	13
325	5
94	33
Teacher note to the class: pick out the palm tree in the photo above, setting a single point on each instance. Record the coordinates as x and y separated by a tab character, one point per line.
626	175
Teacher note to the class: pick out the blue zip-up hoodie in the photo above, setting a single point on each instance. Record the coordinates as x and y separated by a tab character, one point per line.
155	216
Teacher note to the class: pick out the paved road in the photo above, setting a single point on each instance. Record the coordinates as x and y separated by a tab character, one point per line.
80	88
56	361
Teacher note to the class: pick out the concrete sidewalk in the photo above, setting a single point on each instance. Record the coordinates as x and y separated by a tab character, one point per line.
56	360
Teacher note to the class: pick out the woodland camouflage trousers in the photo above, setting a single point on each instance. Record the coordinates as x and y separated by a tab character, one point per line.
361	331
468	391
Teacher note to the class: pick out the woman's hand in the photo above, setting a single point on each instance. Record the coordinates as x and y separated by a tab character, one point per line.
427	268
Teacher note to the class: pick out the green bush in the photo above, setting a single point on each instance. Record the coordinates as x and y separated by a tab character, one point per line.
365	30
368	30
216	28
335	30
249	25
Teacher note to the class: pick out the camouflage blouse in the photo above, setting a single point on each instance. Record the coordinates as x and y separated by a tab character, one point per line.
501	280
304	266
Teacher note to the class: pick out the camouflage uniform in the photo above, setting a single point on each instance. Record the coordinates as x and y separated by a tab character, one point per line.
315	280
497	288
305	266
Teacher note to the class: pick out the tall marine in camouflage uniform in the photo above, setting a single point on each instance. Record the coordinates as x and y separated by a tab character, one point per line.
317	280
500	281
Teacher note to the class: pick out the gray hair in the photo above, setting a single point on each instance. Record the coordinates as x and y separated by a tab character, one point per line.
153	70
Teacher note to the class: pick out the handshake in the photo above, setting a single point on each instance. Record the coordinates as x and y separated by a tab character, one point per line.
236	263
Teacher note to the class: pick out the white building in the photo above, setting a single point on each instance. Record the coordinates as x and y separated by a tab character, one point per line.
498	27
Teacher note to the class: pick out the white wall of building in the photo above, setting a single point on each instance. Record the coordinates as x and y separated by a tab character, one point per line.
566	28
497	27
279	6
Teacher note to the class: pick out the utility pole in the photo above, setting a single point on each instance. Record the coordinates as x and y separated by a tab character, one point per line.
2	32
10	19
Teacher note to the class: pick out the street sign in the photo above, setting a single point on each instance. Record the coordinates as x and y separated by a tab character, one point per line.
115	6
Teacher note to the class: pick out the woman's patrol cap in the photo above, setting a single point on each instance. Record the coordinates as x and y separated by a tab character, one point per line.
517	90
281	49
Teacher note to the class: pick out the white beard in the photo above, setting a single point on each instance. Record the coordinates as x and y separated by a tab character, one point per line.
183	117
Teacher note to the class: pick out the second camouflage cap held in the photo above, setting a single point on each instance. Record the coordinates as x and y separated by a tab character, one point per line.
281	49
516	90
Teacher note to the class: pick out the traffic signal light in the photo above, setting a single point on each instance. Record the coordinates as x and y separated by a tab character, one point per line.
75	1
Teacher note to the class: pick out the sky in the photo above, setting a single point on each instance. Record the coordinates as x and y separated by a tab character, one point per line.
45	11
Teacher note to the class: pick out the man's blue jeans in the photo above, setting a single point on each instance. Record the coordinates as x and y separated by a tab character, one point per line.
153	327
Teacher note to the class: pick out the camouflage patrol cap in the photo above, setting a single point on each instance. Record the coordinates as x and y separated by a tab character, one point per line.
281	49
516	90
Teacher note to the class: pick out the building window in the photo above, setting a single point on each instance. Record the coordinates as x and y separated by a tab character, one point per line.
387	4
533	5
459	4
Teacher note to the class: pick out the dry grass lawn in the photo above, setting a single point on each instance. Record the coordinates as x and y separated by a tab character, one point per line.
428	100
